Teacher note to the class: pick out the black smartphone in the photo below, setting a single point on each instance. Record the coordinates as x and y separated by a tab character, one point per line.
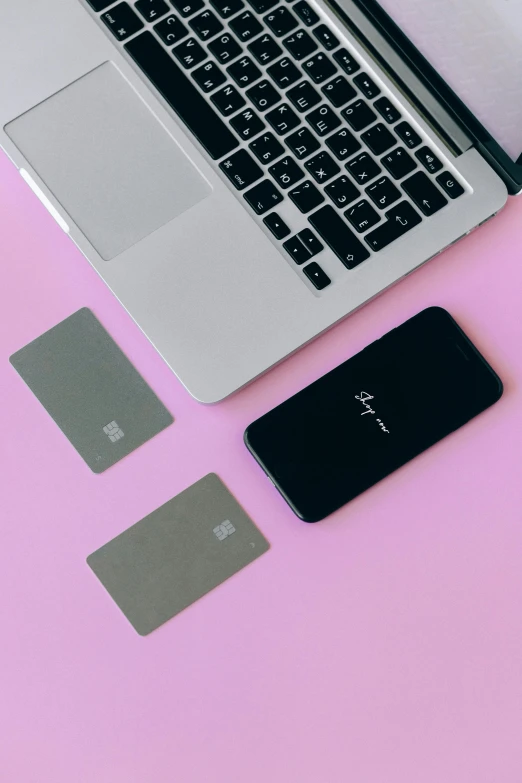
372	414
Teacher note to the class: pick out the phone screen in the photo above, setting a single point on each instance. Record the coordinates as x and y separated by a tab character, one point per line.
372	414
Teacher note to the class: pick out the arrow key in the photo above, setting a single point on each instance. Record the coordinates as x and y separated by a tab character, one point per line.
295	248
317	276
424	193
277	226
309	239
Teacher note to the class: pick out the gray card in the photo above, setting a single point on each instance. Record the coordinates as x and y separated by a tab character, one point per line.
177	554
91	390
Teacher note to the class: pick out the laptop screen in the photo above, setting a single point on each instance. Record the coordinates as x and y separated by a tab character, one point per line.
476	46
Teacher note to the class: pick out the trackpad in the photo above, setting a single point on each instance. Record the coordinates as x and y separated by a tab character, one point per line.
108	160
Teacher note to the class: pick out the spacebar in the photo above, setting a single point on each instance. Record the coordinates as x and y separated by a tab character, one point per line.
182	95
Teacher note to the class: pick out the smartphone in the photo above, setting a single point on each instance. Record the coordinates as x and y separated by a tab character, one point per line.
354	426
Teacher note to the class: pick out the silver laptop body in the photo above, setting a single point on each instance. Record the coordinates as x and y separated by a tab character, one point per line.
167	225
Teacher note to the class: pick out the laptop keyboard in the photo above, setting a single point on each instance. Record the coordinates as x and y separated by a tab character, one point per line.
288	114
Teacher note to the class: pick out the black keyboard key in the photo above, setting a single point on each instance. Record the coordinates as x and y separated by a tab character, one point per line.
306	13
299	252
260	6
399	163
339	91
151	10
319	68
359	115
228	100
400	220
266	148
428	160
225	48
286	172
304	96
448	182
281	21
348	63
171	30
322	167
122	21
362	216
342	191
300	44
189	53
310	241
265	49
283	119
284	73
208	76
99	5
323	120
182	95
387	110
326	37
227	8
244	72
424	193
306	196
206	25
263	95
343	144
383	193
302	143
241	169
276	225
263	197
188	7
378	139
317	275
366	85
363	168
247	123
246	26
334	231
406	133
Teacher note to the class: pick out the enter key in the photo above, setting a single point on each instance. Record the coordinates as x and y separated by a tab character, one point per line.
399	221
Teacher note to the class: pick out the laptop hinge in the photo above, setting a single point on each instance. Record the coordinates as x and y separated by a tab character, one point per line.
401	74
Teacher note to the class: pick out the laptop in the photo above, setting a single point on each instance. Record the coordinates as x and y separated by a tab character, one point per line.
243	174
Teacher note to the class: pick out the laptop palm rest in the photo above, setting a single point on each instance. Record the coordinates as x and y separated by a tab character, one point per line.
108	160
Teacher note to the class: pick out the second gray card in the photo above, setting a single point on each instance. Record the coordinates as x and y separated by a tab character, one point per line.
177	554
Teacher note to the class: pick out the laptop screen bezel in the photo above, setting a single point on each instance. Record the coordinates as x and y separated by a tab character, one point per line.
506	167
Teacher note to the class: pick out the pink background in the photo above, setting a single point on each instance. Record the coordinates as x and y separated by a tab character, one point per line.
383	645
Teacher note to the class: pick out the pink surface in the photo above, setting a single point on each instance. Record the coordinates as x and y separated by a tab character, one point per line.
381	646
